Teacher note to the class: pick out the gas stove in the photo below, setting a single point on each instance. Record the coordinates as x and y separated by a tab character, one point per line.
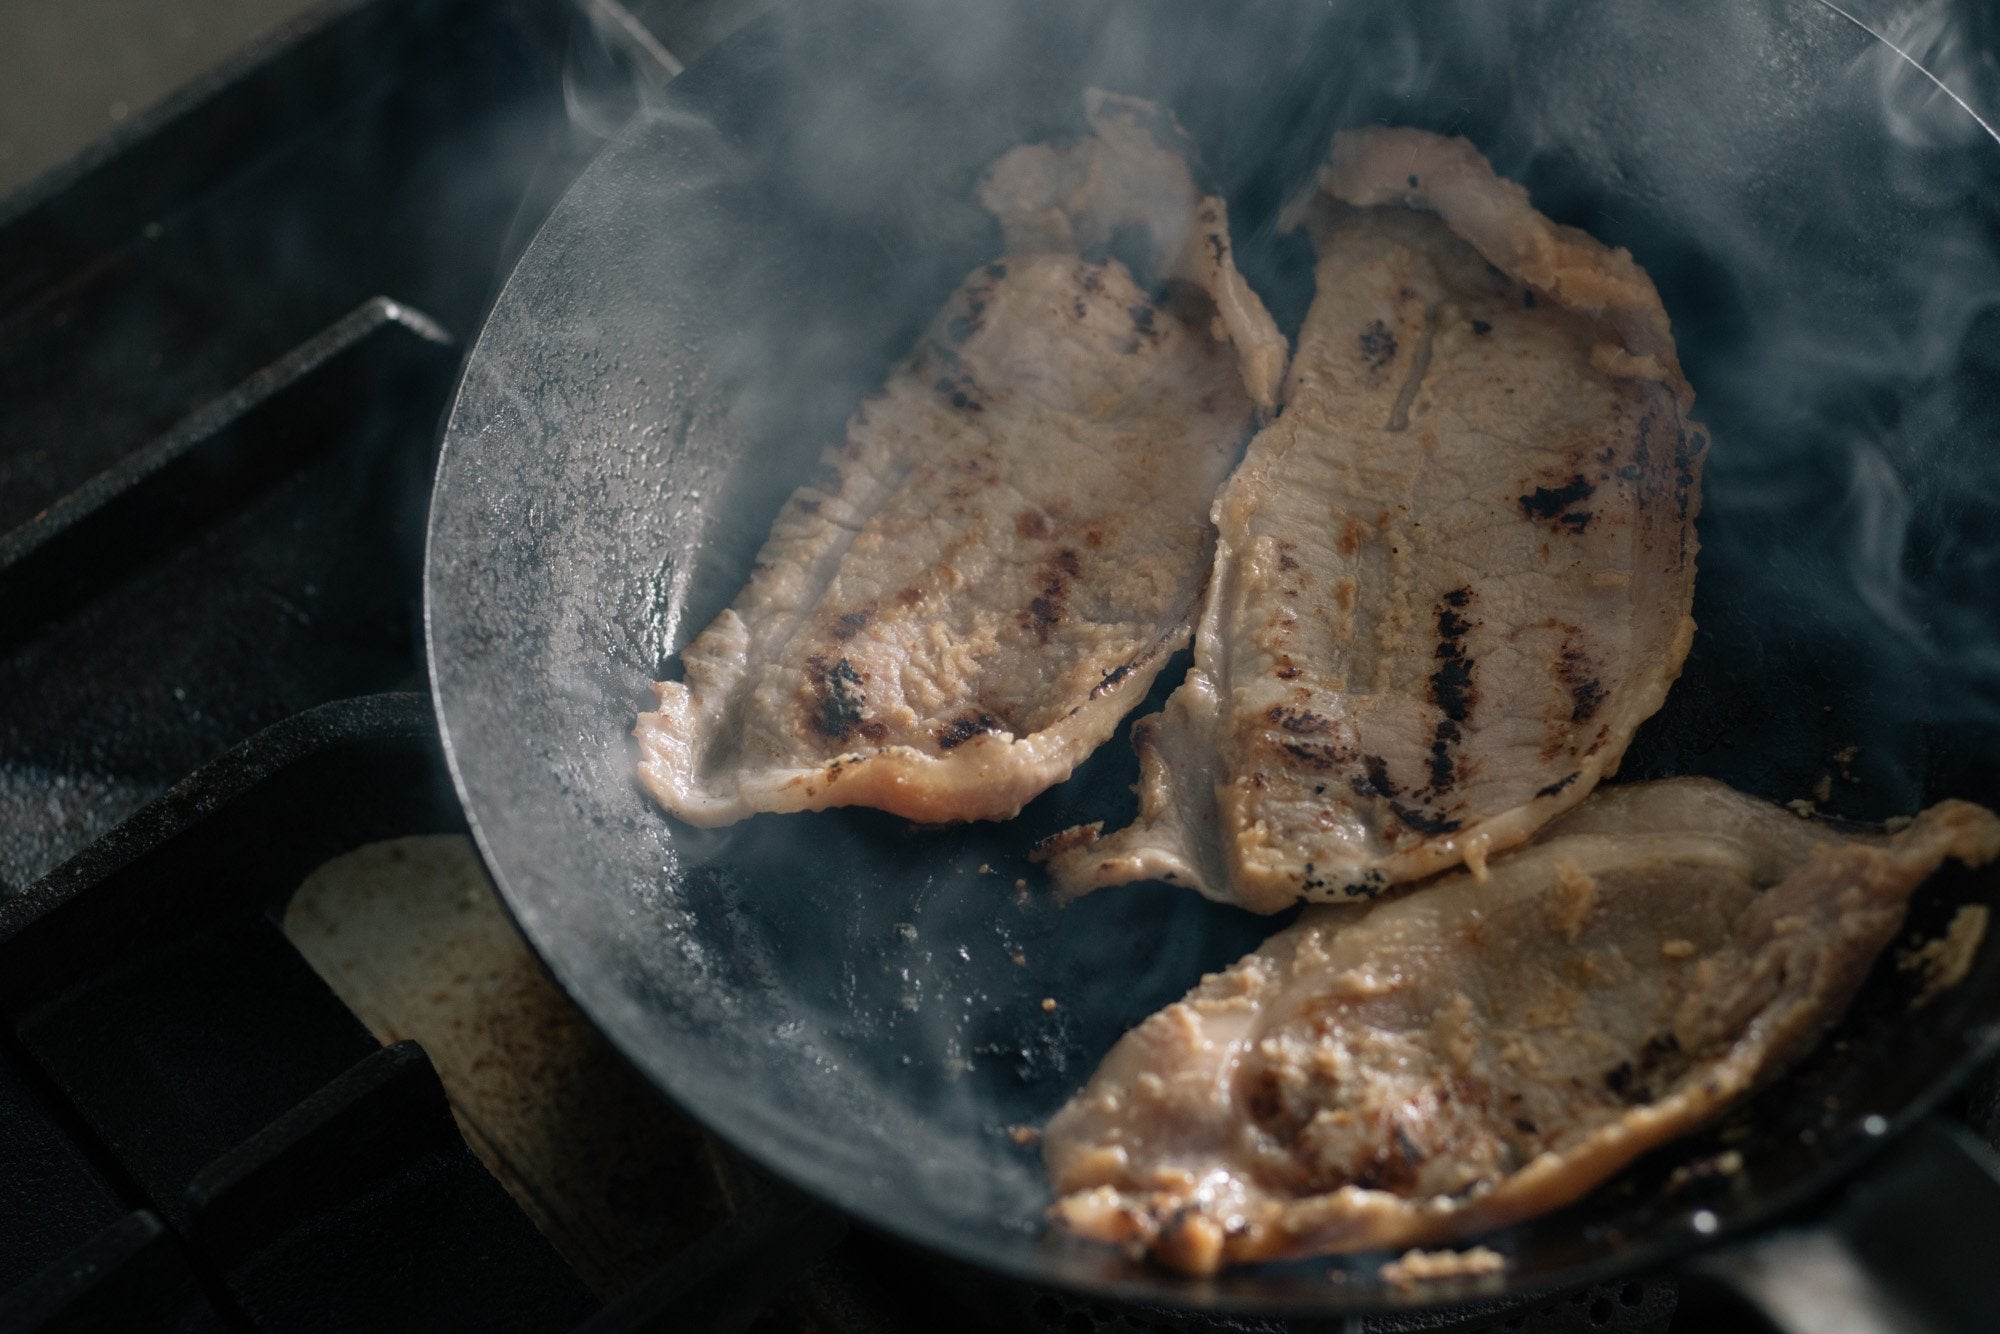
272	1055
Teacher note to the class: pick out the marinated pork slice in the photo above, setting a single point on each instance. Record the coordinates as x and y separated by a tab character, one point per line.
1446	1062
1013	538
1453	576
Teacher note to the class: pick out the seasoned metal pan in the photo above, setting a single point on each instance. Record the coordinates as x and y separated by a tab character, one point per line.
859	1005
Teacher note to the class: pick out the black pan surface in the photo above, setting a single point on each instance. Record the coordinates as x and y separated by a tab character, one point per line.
838	995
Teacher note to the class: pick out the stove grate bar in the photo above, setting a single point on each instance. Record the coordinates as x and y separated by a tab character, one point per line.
133	1275
308	1176
212	418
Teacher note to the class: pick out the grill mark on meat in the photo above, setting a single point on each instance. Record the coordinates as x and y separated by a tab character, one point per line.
1451	691
1423	821
838	699
1300	722
961	730
1576	671
1420	365
851	624
1555	504
1374	782
1451	685
1045	612
1316	754
1441	762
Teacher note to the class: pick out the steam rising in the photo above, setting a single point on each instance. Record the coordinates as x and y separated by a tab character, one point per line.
1828	249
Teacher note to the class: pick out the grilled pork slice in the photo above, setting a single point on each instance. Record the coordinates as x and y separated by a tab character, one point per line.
1452	578
1014	537
1451	1061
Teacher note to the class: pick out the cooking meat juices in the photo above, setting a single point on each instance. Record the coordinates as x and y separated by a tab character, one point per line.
1454	575
1461	1057
1013	538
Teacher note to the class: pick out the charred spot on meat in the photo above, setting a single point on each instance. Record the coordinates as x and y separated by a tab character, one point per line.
837	697
1557	504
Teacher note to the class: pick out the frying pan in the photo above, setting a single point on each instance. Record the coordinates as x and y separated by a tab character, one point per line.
857	1004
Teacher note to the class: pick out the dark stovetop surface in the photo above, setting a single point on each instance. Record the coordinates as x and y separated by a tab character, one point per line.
224	353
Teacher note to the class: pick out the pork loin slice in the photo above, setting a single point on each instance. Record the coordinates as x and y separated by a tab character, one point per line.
1014	536
1451	1061
1452	577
